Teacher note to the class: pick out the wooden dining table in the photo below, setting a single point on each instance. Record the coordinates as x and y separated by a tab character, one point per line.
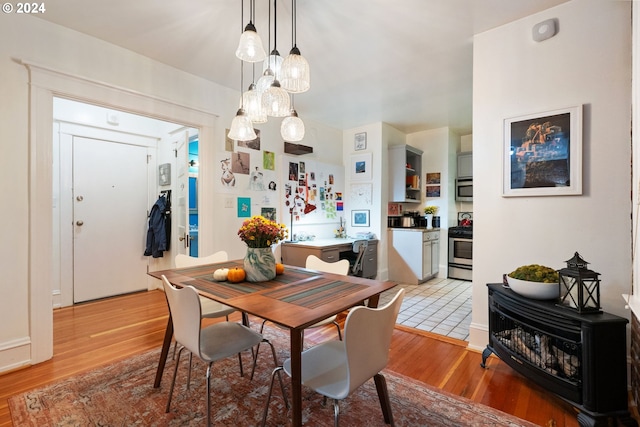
296	299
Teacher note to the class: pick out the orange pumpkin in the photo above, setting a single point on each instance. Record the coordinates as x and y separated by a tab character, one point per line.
279	268
236	275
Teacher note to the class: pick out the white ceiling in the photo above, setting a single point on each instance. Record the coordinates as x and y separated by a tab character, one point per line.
407	63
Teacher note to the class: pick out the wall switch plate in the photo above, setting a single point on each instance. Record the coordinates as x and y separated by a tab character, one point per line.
228	202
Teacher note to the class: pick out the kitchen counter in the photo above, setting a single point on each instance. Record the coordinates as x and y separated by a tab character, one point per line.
322	243
414	228
414	254
331	250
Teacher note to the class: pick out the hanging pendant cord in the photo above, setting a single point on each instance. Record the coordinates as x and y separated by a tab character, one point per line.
294	20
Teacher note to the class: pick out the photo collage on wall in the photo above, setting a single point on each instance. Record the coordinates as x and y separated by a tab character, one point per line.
311	192
246	169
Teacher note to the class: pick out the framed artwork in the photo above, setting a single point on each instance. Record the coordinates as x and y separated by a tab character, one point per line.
269	213
164	174
360	141
269	160
244	207
433	178
360	218
361	167
362	194
394	209
543	154
433	191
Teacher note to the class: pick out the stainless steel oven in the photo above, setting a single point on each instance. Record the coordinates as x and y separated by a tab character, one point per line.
460	253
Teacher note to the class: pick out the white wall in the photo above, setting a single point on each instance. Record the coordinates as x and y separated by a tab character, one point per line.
587	63
440	147
55	47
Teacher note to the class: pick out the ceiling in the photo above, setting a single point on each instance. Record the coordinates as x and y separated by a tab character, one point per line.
407	63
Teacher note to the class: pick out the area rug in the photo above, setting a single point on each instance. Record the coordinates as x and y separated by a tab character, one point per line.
122	394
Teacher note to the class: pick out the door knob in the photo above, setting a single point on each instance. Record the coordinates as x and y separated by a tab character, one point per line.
79	223
181	238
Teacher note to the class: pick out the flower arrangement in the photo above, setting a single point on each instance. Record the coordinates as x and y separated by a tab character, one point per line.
259	232
430	210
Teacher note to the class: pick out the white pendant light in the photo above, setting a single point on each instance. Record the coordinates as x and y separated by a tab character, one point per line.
274	62
252	102
265	81
275	101
292	128
294	74
241	127
250	47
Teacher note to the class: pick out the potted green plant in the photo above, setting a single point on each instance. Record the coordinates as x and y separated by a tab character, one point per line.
429	211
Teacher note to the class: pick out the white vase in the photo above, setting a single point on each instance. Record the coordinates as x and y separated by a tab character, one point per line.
259	264
429	218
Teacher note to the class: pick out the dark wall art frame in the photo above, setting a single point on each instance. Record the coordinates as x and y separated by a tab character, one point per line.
543	154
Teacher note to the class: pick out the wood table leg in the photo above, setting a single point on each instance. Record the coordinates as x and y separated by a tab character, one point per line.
166	345
296	377
373	301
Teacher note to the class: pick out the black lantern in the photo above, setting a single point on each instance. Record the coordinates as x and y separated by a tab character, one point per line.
579	286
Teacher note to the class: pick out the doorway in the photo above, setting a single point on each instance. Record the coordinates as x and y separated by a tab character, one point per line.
107	177
45	84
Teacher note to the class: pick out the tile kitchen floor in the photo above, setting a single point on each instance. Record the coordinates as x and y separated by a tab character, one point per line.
441	306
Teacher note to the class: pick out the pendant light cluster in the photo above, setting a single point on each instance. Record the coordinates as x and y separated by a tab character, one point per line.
270	95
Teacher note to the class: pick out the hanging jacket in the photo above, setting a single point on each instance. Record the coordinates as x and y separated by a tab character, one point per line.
159	219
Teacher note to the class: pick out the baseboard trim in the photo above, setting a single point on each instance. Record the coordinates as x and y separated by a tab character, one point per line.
15	354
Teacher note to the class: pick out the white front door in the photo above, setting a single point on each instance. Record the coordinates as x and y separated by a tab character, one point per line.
109	218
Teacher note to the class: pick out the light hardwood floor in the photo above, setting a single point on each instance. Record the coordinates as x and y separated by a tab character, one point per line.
94	334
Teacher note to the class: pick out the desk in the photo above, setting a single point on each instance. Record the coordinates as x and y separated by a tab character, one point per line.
296	299
330	250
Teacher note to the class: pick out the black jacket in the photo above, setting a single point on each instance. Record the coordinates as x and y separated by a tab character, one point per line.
159	228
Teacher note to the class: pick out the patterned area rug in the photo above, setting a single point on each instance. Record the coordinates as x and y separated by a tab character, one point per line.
122	394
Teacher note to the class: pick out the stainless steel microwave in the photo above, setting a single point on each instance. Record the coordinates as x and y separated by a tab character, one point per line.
464	189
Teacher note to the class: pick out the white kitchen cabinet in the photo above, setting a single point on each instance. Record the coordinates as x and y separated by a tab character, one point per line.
405	172
465	165
413	255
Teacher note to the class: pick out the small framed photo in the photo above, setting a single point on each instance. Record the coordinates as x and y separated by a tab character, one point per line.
360	218
543	154
164	174
361	167
360	141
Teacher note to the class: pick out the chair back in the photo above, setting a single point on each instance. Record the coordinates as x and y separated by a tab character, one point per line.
184	306
338	267
367	338
359	246
183	261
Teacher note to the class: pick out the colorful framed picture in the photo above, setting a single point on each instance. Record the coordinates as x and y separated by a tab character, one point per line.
360	218
244	207
543	154
361	167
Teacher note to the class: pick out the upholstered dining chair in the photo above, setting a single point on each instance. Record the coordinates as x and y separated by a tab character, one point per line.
336	368
338	267
211	343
